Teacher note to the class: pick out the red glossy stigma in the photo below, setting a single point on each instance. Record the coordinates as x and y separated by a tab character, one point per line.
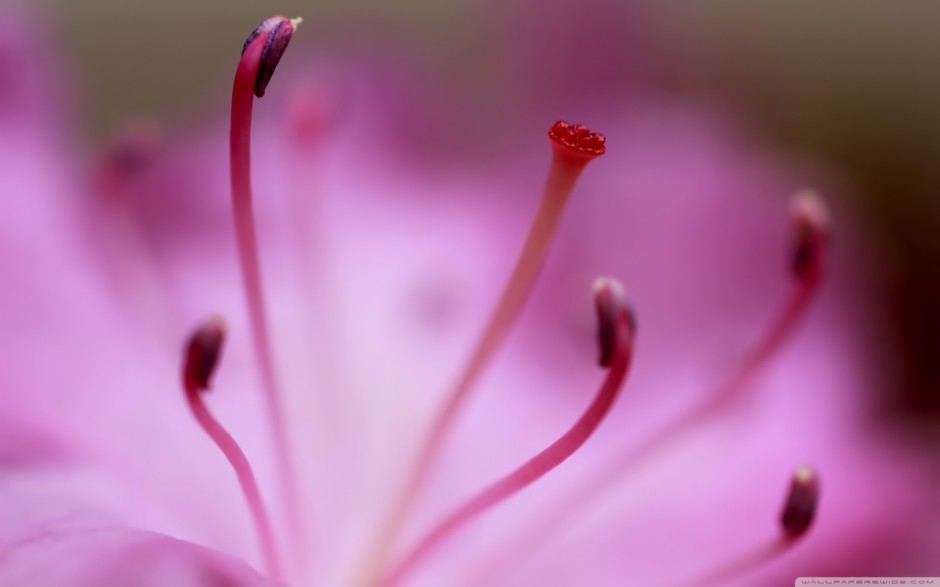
274	34
811	227
578	139
800	507
202	354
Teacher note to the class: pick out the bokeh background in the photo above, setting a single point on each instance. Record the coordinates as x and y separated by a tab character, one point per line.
851	82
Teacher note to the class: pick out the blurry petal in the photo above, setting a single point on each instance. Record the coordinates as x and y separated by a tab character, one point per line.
130	558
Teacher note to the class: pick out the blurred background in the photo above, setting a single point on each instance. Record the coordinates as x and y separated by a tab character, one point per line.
851	82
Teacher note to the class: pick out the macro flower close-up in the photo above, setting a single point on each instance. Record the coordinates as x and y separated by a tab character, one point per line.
368	321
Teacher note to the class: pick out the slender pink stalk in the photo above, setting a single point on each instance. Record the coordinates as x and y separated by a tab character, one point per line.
809	259
573	146
745	563
202	356
616	327
768	347
260	56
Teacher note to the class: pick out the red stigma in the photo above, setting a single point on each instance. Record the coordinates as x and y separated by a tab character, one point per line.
578	138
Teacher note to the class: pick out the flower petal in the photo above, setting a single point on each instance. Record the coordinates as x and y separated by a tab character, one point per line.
131	558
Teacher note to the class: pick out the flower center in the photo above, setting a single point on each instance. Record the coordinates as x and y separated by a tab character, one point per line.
573	146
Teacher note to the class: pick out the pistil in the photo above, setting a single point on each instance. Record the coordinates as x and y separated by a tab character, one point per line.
616	331
573	146
199	364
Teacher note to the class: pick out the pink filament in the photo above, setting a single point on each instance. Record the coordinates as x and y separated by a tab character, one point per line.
534	468
742	565
246	477
240	144
562	176
769	346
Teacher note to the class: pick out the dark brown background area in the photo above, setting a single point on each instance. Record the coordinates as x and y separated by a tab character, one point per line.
854	82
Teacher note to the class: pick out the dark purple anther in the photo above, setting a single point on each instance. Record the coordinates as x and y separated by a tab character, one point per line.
800	507
275	33
202	354
612	306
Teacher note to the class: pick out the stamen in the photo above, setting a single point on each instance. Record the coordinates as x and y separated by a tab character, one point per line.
199	364
122	168
573	146
811	229
810	221
798	513
810	251
260	55
616	328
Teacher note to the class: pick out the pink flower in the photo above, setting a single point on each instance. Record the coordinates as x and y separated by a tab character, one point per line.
381	262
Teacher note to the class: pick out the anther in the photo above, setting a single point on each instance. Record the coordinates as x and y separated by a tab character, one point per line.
799	510
610	302
615	318
811	227
273	35
202	354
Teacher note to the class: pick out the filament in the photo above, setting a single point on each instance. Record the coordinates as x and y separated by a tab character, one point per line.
201	359
252	67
